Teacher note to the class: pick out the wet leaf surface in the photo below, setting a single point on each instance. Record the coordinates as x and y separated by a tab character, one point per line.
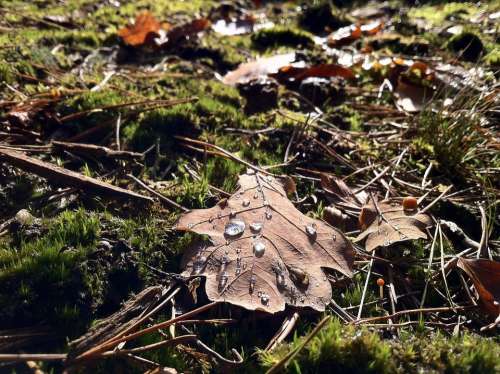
264	253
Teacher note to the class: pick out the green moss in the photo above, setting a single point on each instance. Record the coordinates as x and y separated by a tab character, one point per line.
281	36
42	279
436	14
91	102
6	73
340	348
493	58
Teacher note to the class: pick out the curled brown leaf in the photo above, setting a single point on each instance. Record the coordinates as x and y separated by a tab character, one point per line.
387	222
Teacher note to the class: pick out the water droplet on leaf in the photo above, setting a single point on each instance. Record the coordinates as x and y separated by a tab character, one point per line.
259	248
256	227
234	228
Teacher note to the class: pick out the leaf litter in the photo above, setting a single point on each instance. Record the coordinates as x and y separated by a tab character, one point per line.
372	113
263	252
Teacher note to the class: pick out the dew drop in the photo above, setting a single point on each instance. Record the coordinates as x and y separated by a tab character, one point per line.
223	280
269	215
190	226
264	299
334	237
232	214
280	280
199	263
219	215
256	227
238	266
259	248
311	231
256	195
234	228
251	287
245	202
211	219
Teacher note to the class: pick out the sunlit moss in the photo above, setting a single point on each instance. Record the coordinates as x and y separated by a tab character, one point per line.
340	348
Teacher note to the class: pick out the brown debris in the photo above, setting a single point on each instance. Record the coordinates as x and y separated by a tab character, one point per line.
264	253
387	222
485	275
145	28
66	177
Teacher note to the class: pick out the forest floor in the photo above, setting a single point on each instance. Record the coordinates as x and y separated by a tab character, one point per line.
117	118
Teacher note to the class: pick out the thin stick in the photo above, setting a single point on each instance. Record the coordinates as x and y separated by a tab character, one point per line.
172	203
398	161
117	132
227	153
411	311
433	202
373	180
284	331
483	244
110	344
365	288
429	264
443	271
279	365
150	347
22	357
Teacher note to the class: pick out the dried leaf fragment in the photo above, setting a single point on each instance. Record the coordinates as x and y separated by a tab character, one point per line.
264	253
344	36
388	222
187	30
145	28
257	69
485	275
298	74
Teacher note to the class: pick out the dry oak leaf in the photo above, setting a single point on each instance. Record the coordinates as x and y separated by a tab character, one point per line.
393	224
143	31
485	275
259	68
263	252
298	74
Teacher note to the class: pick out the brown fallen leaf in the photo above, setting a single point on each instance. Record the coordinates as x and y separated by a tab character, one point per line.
485	275
341	193
344	36
145	28
257	69
298	74
392	225
415	87
372	28
263	252
346	203
186	30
